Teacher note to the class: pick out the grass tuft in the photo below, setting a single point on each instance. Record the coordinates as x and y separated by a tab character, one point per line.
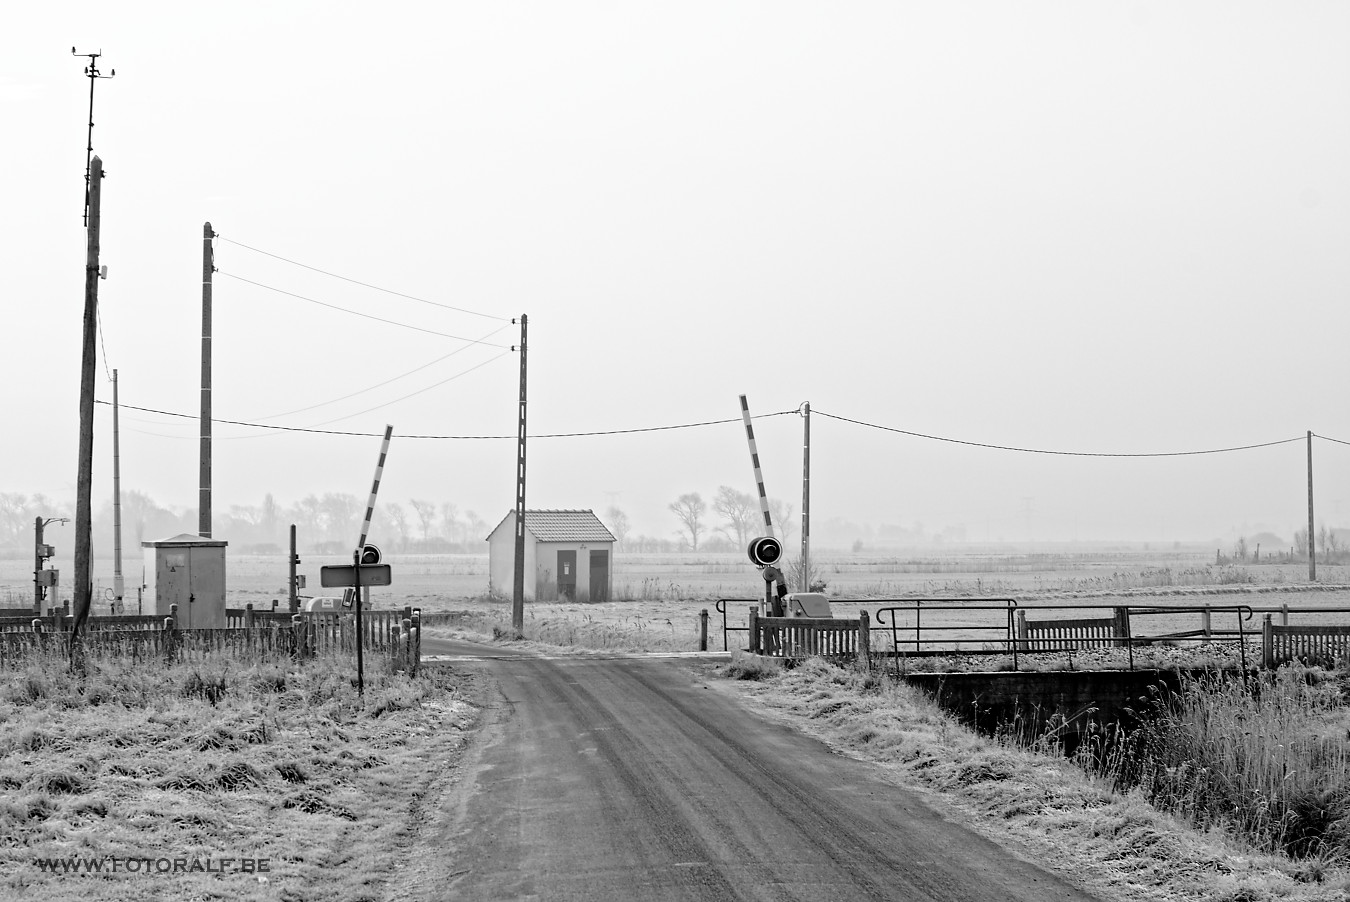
745	666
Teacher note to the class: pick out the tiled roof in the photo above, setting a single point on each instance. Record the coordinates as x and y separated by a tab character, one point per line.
567	526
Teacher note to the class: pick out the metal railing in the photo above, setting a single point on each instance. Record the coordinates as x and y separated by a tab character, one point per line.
927	636
722	609
920	627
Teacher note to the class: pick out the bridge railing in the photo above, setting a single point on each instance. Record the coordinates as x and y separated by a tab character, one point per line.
921	627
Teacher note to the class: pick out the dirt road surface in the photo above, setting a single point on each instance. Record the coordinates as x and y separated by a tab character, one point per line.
632	779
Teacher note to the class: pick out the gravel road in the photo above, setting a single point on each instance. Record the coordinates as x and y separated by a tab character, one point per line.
634	779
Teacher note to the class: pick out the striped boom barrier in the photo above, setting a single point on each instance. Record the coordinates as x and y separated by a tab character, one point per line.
754	459
374	489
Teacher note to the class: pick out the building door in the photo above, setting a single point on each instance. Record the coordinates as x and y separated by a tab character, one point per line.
567	575
599	576
177	586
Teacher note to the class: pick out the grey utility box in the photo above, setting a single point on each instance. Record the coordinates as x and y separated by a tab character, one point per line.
188	571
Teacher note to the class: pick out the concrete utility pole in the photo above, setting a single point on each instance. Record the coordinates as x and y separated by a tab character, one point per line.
204	494
806	497
295	559
1312	536
84	479
518	595
118	583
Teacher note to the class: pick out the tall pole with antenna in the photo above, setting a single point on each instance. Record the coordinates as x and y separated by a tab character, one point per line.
84	479
92	72
518	590
204	492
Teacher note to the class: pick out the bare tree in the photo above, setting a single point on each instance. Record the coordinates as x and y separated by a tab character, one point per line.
689	509
15	515
450	521
271	517
739	510
477	526
307	514
144	515
342	513
397	518
617	521
782	513
426	515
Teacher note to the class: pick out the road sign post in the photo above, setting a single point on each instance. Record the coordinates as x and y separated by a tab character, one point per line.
345	575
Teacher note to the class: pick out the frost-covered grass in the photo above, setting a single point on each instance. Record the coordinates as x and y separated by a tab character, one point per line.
215	760
1267	759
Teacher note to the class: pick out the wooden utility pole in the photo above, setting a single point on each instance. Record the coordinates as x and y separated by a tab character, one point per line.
204	493
84	479
518	594
119	585
806	497
1312	536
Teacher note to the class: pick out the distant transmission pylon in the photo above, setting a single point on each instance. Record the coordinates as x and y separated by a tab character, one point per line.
92	72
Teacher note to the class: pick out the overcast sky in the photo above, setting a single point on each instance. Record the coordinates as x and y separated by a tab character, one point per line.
1099	227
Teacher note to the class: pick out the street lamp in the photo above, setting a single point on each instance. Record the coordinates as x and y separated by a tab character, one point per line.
43	578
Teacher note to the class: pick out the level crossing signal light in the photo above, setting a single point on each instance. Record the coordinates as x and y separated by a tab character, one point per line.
765	551
370	554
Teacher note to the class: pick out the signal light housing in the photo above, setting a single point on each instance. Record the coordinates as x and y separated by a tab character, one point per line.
765	551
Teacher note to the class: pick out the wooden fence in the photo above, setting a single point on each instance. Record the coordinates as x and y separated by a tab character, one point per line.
1311	644
1062	635
396	635
803	637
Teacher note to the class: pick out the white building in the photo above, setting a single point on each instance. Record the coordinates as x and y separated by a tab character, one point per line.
568	554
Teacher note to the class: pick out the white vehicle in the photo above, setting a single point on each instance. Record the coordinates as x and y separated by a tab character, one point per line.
328	604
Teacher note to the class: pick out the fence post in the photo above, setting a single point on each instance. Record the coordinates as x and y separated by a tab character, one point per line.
171	635
1204	622
754	630
405	639
1284	612
296	627
865	638
703	630
1267	643
248	615
1022	644
1122	627
416	641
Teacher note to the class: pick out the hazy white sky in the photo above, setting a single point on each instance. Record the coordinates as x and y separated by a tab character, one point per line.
1109	227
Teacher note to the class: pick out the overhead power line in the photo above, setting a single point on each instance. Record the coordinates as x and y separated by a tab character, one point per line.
170	413
415	393
362	284
380	319
957	441
394	379
1330	439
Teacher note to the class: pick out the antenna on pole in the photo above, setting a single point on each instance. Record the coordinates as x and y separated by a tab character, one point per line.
92	72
